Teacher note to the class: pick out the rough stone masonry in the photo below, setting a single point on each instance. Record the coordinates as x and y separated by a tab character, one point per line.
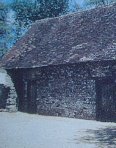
8	94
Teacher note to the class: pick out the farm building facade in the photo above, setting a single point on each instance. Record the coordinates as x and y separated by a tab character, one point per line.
66	66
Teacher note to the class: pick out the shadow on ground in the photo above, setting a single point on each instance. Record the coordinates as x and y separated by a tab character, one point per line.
102	138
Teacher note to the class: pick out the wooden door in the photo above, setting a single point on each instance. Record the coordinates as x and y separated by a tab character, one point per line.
106	100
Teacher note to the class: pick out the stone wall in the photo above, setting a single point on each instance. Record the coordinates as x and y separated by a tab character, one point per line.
4	91
65	93
8	94
62	91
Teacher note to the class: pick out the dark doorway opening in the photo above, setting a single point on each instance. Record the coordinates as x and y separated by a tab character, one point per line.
4	91
106	100
31	97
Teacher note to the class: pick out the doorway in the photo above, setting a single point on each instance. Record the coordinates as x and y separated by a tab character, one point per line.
106	100
31	97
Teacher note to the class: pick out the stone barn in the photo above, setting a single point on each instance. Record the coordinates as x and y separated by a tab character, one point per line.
66	66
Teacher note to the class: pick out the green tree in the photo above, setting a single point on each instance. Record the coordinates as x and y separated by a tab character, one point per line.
38	9
52	8
27	12
3	29
99	2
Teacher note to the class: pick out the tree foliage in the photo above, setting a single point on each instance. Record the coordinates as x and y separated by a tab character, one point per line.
3	29
30	11
27	12
52	8
99	2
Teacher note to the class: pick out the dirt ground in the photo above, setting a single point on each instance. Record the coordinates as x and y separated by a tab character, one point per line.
21	130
